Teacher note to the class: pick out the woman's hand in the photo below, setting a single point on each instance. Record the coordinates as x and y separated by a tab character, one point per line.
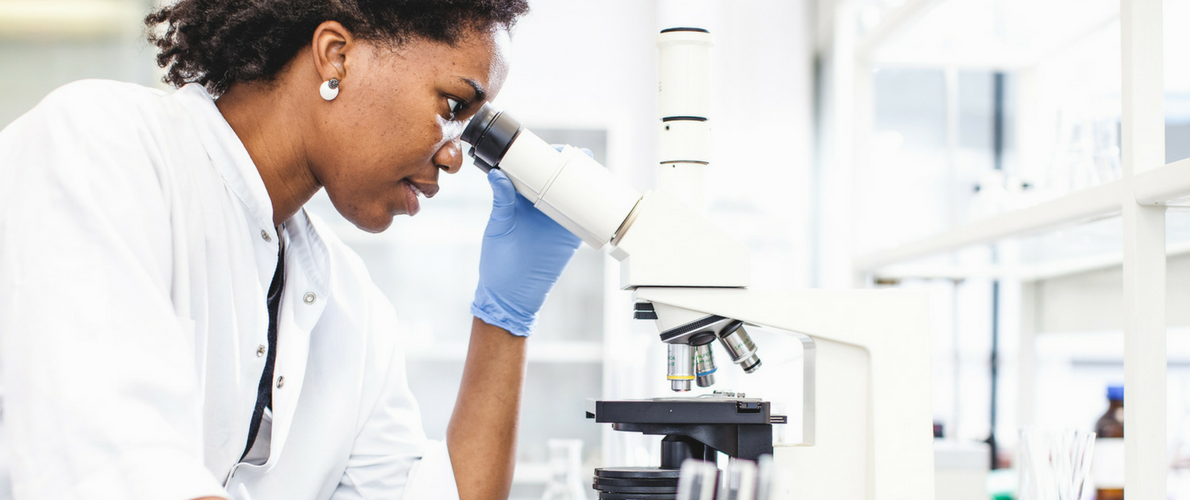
524	252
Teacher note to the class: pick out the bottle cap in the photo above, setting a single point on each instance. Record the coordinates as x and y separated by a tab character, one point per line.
1115	393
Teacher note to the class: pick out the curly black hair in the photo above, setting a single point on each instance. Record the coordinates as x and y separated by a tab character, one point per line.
221	42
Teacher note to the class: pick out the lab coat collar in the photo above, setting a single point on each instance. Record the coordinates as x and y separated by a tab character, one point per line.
229	155
311	255
239	173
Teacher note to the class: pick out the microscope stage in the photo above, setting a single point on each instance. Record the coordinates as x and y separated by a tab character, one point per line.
702	410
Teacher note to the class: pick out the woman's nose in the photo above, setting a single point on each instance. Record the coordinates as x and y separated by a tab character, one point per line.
449	157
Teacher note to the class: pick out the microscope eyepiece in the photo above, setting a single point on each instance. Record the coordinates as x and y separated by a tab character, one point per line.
490	134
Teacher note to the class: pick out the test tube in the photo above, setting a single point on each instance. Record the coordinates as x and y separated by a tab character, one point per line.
697	480
739	481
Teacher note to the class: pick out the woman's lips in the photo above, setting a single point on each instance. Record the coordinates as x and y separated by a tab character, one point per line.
411	202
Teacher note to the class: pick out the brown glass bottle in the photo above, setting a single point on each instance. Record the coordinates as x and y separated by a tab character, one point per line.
1109	448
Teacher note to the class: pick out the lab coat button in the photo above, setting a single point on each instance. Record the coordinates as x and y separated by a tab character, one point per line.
309	298
265	234
280	382
260	350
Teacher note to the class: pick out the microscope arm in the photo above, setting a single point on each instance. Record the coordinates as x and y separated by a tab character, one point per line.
867	384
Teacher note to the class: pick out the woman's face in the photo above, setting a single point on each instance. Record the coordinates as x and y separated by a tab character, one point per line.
397	121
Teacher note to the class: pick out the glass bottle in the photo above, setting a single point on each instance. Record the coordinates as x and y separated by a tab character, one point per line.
1108	461
565	470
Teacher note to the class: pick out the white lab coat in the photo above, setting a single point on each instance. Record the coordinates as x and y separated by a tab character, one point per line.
136	249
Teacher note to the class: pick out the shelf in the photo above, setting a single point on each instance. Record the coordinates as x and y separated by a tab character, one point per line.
988	56
1167	184
1164	185
986	34
1107	347
1081	206
1026	272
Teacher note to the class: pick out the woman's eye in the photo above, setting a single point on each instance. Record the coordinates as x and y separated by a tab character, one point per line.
456	107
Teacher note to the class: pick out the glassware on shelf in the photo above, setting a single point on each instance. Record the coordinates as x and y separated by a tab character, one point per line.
1087	152
1108	465
565	470
1106	140
1054	464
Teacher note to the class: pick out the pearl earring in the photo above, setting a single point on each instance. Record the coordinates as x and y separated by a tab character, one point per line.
329	89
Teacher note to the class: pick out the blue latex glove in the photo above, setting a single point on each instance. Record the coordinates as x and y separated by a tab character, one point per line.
524	252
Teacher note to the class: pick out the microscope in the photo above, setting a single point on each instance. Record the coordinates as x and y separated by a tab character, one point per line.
865	419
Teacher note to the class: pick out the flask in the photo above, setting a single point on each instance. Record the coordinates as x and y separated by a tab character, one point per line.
565	470
1108	462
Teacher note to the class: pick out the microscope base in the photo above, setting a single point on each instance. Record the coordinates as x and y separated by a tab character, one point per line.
636	483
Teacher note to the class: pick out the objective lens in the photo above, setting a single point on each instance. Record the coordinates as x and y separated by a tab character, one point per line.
704	365
739	345
681	367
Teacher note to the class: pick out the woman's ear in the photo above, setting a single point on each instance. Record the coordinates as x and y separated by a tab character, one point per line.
331	45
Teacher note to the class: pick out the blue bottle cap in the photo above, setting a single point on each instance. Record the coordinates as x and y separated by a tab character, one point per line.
1115	393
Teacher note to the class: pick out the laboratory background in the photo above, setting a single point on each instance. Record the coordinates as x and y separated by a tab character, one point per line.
970	150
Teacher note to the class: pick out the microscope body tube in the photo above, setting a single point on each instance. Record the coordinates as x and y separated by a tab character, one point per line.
684	97
684	82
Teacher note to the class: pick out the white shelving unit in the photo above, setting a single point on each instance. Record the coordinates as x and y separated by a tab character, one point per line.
1140	197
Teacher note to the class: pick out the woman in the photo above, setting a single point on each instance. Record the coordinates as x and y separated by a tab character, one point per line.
164	299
